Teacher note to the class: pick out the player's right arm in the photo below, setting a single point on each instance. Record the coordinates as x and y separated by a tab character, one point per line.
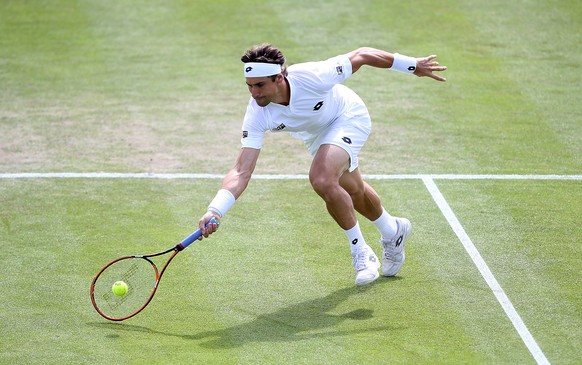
235	182
238	177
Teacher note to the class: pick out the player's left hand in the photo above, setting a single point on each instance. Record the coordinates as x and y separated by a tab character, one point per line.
426	67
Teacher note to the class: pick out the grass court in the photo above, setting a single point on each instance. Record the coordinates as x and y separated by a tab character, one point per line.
152	92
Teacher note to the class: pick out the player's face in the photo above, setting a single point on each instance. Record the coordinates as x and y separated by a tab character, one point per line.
262	89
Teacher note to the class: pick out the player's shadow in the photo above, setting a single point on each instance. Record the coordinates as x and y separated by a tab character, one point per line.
301	321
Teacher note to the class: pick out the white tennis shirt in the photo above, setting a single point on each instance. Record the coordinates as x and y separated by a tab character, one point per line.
317	100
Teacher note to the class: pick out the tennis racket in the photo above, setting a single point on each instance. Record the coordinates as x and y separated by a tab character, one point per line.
140	274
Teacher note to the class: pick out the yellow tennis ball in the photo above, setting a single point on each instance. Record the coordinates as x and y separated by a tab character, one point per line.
119	288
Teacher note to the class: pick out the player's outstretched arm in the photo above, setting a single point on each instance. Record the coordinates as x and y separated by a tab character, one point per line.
366	56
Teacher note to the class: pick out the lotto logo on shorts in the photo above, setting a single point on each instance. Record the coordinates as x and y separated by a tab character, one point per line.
347	140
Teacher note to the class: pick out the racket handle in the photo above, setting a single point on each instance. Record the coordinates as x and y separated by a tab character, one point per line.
193	237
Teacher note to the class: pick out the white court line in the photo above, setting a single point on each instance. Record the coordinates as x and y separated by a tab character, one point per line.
147	175
502	298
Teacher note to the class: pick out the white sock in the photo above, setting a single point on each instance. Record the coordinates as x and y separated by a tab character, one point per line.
386	224
355	238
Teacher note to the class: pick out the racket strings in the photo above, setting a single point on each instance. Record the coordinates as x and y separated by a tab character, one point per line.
115	301
139	274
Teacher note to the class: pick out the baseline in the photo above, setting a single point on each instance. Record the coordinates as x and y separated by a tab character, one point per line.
148	175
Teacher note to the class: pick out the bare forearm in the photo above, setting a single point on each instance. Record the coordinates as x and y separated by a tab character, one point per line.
233	185
236	181
425	66
238	177
371	57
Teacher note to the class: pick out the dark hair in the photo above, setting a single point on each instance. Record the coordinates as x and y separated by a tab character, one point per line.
265	53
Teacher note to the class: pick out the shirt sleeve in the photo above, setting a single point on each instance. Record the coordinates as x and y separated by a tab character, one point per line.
323	75
253	130
339	69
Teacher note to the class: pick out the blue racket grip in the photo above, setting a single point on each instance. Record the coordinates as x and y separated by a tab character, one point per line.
193	237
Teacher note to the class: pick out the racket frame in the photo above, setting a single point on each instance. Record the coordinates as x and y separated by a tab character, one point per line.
177	248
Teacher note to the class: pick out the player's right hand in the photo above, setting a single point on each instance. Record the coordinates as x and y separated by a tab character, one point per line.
206	227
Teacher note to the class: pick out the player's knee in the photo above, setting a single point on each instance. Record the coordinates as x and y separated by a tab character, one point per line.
322	184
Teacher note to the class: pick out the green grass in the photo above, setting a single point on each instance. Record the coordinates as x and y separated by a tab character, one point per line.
251	296
130	86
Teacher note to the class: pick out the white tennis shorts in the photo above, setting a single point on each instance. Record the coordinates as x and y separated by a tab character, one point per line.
350	131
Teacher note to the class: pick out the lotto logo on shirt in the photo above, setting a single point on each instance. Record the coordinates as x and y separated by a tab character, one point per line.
339	69
245	134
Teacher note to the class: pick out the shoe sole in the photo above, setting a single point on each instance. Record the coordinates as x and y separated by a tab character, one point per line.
366	282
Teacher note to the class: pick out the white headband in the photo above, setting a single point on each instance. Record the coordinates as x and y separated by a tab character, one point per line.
261	69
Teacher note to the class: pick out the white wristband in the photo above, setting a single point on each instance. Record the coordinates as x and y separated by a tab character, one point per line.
222	202
403	63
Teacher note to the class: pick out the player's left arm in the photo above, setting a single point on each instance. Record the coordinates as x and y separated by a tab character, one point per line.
366	56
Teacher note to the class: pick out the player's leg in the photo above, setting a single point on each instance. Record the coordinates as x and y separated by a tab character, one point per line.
327	167
329	164
365	199
367	202
394	231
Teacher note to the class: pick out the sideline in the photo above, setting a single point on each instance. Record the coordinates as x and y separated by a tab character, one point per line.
486	273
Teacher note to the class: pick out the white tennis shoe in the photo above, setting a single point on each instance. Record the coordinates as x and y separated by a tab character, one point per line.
393	257
367	264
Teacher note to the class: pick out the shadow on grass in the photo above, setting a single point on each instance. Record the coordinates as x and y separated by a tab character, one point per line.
298	322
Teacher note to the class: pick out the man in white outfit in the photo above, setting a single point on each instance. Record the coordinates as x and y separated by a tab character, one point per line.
308	100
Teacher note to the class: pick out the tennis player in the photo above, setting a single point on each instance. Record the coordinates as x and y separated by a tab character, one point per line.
308	100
